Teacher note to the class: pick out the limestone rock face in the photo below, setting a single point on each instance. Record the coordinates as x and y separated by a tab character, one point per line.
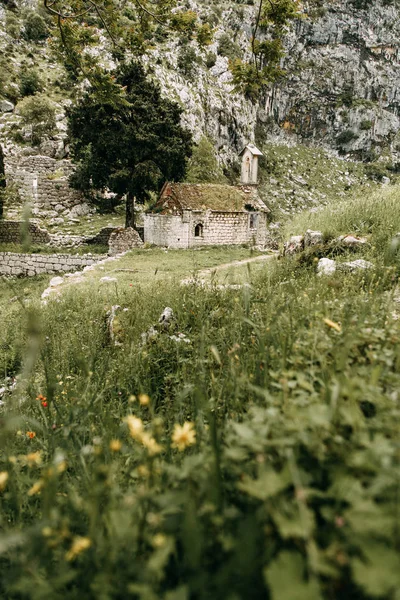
6	106
343	79
122	240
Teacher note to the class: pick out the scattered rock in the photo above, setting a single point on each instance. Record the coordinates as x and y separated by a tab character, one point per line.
355	265
80	210
6	106
326	266
167	318
312	238
385	180
351	240
294	245
56	281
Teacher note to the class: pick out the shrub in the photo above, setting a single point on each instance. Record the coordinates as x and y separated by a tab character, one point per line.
29	82
188	61
346	137
227	47
13	26
38	113
211	59
365	125
203	166
204	35
35	27
376	171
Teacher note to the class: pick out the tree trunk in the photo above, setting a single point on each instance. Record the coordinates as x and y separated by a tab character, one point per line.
130	210
2	181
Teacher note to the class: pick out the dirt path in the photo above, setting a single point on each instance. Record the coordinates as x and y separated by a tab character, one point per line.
235	263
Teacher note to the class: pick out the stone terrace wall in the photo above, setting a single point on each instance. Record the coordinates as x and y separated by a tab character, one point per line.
10	232
34	264
43	182
101	238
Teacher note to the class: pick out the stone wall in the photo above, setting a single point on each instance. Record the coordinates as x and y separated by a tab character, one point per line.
43	182
102	238
215	228
34	264
13	232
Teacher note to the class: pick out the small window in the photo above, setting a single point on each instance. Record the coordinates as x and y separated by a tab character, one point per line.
198	230
253	222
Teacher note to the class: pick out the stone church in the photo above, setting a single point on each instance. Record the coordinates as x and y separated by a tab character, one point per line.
188	215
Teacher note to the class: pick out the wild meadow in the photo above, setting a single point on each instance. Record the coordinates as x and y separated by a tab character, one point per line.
248	450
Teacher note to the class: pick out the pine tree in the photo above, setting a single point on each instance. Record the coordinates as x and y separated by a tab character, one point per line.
126	137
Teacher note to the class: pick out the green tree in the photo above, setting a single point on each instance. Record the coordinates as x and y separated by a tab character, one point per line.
38	113
203	166
126	137
2	181
272	20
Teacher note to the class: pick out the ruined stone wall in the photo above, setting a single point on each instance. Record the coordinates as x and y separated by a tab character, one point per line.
43	182
15	264
11	232
218	228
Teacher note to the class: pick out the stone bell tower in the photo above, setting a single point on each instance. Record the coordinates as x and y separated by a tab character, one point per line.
249	174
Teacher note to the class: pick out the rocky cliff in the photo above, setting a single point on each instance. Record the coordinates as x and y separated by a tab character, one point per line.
341	88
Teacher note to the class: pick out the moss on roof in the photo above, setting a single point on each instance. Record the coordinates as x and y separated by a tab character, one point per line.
176	197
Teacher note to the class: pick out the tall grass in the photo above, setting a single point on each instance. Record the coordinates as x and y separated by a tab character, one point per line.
290	487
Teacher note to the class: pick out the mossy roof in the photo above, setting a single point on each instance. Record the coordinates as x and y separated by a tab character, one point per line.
177	197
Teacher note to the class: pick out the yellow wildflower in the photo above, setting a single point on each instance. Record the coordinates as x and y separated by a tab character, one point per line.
333	325
143	471
79	545
33	459
115	445
150	443
61	466
135	426
132	399
36	488
3	480
144	399
183	436
158	540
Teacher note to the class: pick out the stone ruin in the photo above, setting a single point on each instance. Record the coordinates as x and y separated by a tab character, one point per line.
122	240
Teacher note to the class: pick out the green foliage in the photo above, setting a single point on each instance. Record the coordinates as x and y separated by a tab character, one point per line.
185	23
272	19
211	59
249	79
227	47
346	137
13	25
126	137
35	28
376	171
366	124
290	489
205	35
203	166
29	82
188	60
37	113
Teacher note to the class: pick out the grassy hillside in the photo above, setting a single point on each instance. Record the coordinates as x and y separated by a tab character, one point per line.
254	456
